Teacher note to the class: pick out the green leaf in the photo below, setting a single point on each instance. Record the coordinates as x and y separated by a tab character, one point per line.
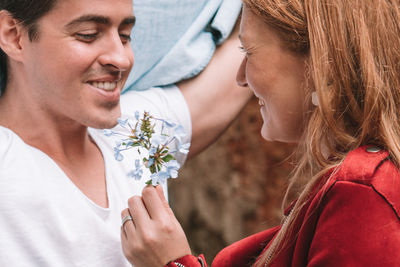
149	182
153	169
168	157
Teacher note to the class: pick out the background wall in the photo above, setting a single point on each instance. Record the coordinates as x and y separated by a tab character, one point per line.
234	188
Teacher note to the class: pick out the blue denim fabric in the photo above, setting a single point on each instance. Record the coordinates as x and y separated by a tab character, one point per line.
175	39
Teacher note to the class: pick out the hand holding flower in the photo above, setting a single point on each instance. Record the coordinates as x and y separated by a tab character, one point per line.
154	237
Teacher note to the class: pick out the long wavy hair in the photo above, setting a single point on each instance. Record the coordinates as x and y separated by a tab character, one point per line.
353	49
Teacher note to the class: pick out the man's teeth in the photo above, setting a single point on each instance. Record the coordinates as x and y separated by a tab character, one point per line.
260	102
108	86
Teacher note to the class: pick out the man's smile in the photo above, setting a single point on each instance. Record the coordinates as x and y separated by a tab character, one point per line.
107	86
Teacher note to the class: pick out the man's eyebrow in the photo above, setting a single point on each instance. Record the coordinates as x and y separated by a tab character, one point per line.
88	18
129	21
99	20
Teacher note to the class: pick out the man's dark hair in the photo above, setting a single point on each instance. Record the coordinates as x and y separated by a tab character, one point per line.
26	12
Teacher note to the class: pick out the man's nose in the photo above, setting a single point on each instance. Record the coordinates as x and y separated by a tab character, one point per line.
241	74
117	54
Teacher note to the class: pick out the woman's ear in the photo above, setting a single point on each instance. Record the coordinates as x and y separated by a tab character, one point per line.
10	35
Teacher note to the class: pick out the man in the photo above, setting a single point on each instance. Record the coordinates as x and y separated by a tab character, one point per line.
65	63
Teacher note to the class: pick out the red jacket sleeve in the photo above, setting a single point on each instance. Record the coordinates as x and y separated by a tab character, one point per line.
245	251
239	254
188	261
356	227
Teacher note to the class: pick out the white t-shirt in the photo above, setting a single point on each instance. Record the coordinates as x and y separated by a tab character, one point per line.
45	220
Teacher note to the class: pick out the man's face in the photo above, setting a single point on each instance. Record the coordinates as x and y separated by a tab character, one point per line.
76	69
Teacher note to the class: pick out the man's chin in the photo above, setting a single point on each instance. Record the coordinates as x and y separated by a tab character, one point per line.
110	117
106	122
105	125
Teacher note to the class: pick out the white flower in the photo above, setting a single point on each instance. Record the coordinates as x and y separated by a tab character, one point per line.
137	172
152	147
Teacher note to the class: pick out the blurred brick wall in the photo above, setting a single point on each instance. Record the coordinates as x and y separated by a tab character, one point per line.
234	188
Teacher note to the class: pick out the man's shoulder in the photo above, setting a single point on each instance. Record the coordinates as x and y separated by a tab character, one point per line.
155	100
16	157
10	144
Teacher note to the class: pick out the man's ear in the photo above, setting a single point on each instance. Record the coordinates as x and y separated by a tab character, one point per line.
10	35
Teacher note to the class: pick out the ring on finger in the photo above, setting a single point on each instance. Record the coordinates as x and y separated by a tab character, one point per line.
125	219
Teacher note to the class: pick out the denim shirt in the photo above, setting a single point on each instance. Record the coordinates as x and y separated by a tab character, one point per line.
175	39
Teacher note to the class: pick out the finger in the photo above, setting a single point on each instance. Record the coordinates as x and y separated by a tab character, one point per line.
128	227
124	238
126	245
156	206
160	192
138	212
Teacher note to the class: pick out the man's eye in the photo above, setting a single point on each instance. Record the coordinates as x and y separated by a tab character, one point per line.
126	38
86	37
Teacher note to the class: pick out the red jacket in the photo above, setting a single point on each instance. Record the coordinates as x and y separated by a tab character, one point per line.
354	221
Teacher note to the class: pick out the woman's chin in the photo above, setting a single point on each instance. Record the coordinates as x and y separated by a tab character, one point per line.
266	135
271	137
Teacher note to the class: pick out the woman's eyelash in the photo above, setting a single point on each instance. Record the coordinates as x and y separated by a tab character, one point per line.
242	49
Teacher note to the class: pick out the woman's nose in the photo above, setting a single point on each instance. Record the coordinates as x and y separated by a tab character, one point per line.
241	74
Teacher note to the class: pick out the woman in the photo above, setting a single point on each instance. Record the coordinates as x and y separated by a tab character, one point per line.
327	73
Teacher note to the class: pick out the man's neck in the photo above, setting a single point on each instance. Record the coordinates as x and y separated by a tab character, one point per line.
66	142
57	137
